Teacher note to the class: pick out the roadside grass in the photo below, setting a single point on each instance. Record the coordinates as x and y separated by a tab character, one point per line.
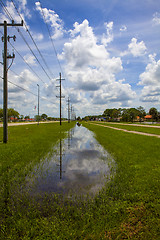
135	188
128	207
140	128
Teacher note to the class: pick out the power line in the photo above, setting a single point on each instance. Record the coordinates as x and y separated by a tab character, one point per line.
32	38
9	15
27	64
25	61
52	41
29	91
20	77
50	36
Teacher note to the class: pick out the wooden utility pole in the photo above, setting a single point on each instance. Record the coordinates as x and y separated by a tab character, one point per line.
38	103
68	110
5	83
60	96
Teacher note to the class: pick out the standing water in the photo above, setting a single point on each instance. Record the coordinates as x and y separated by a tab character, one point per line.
78	165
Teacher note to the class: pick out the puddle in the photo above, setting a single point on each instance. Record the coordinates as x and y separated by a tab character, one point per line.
79	165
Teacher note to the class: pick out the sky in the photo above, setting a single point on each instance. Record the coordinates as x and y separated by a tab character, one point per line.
108	52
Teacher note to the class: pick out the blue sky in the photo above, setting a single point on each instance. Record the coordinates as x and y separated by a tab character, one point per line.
108	52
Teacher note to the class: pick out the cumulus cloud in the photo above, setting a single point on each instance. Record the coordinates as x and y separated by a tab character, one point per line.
91	69
114	92
150	78
137	49
88	63
53	19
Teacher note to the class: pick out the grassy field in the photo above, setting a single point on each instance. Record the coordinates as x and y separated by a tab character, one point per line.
130	127
128	207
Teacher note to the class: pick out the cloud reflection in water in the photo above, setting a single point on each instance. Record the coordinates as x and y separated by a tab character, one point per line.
80	165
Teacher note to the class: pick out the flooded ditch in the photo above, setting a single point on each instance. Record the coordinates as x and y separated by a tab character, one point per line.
77	165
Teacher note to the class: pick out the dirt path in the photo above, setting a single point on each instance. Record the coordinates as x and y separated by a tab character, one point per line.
134	124
124	130
26	123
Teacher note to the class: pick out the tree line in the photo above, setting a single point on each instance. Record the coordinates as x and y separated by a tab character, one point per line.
126	114
14	115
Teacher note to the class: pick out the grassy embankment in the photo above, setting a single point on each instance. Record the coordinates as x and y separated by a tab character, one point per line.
127	208
130	127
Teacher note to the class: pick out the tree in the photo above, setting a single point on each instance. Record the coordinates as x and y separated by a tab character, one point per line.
1	113
125	115
129	115
44	116
27	117
13	113
115	113
141	113
37	118
153	111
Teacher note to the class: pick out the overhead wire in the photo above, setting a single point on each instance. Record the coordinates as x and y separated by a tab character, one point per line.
50	36
19	31
9	15
29	91
21	77
32	38
27	64
25	61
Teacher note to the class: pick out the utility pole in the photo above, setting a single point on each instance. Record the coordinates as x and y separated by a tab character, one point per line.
71	113
38	103
5	82
68	110
60	96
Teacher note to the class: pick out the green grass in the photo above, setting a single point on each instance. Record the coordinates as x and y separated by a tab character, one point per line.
130	127
128	207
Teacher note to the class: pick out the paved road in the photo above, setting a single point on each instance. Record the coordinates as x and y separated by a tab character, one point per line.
124	130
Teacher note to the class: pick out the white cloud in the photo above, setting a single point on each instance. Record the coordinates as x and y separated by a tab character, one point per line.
91	69
150	94
156	18
88	64
23	8
109	37
114	92
12	11
151	76
30	59
151	81
37	36
52	18
137	49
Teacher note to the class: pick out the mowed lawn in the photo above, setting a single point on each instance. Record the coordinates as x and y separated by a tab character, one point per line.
153	129
128	207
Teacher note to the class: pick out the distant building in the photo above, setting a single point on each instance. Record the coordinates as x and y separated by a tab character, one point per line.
148	117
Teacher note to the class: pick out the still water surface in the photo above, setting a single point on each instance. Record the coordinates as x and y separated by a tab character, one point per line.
78	165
